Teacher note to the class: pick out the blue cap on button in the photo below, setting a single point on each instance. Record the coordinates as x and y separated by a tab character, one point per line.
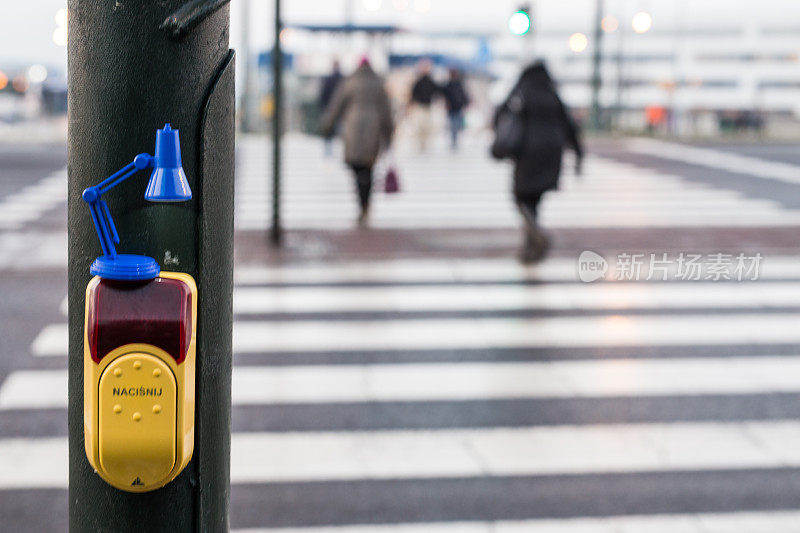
125	267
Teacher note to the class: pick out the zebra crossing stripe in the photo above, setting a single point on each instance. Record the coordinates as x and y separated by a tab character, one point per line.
741	522
555	450
453	270
272	336
317	384
23	250
604	331
31	202
51	341
720	159
607	297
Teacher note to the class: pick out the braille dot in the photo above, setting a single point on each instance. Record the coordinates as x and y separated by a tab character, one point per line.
117	372
156	408
157	372
118	408
137	365
137	417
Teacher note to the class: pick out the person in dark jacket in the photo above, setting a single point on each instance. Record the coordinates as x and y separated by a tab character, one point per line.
423	92
548	129
362	103
326	92
456	100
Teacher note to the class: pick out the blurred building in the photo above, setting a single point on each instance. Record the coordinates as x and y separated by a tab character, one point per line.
679	76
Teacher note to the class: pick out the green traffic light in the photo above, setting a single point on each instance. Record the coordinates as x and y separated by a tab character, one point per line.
519	23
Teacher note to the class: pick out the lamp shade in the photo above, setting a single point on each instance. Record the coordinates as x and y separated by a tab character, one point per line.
168	181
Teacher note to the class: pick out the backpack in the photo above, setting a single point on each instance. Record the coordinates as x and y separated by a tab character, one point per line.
509	129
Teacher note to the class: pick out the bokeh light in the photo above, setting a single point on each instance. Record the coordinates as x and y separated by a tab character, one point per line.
37	73
400	5
373	5
578	42
60	36
61	17
641	22
422	6
3	80
610	24
20	84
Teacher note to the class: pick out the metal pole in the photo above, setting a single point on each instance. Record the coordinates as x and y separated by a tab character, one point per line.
620	76
277	130
597	62
247	65
348	12
131	69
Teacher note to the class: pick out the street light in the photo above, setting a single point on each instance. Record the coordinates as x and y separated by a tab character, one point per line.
519	23
641	22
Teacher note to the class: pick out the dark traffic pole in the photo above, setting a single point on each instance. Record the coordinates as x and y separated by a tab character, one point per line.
134	66
597	64
277	127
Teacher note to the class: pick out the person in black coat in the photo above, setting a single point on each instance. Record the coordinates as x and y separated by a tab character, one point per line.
456	100
423	92
548	129
326	91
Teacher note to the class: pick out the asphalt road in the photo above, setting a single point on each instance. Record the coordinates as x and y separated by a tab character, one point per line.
673	403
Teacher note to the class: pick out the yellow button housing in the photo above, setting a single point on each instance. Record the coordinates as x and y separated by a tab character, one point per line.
137	442
138	410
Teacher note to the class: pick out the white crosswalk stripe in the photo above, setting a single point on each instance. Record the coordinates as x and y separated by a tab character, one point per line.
22	248
260	385
255	300
457	453
265	336
778	522
33	201
27	249
472	191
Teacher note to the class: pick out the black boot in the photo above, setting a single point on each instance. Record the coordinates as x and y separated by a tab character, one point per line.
363	217
535	246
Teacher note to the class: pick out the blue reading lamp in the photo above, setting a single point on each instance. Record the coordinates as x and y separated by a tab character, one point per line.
167	184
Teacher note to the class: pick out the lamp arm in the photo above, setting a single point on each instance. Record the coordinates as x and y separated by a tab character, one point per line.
98	208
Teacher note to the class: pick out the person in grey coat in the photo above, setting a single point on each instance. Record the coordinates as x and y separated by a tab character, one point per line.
548	129
361	102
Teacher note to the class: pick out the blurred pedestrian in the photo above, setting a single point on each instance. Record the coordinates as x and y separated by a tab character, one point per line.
538	128
361	102
326	91
423	92
456	100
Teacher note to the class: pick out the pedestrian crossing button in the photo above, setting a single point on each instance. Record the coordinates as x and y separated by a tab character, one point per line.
139	446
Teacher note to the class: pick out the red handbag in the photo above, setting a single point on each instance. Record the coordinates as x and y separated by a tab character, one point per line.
391	184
